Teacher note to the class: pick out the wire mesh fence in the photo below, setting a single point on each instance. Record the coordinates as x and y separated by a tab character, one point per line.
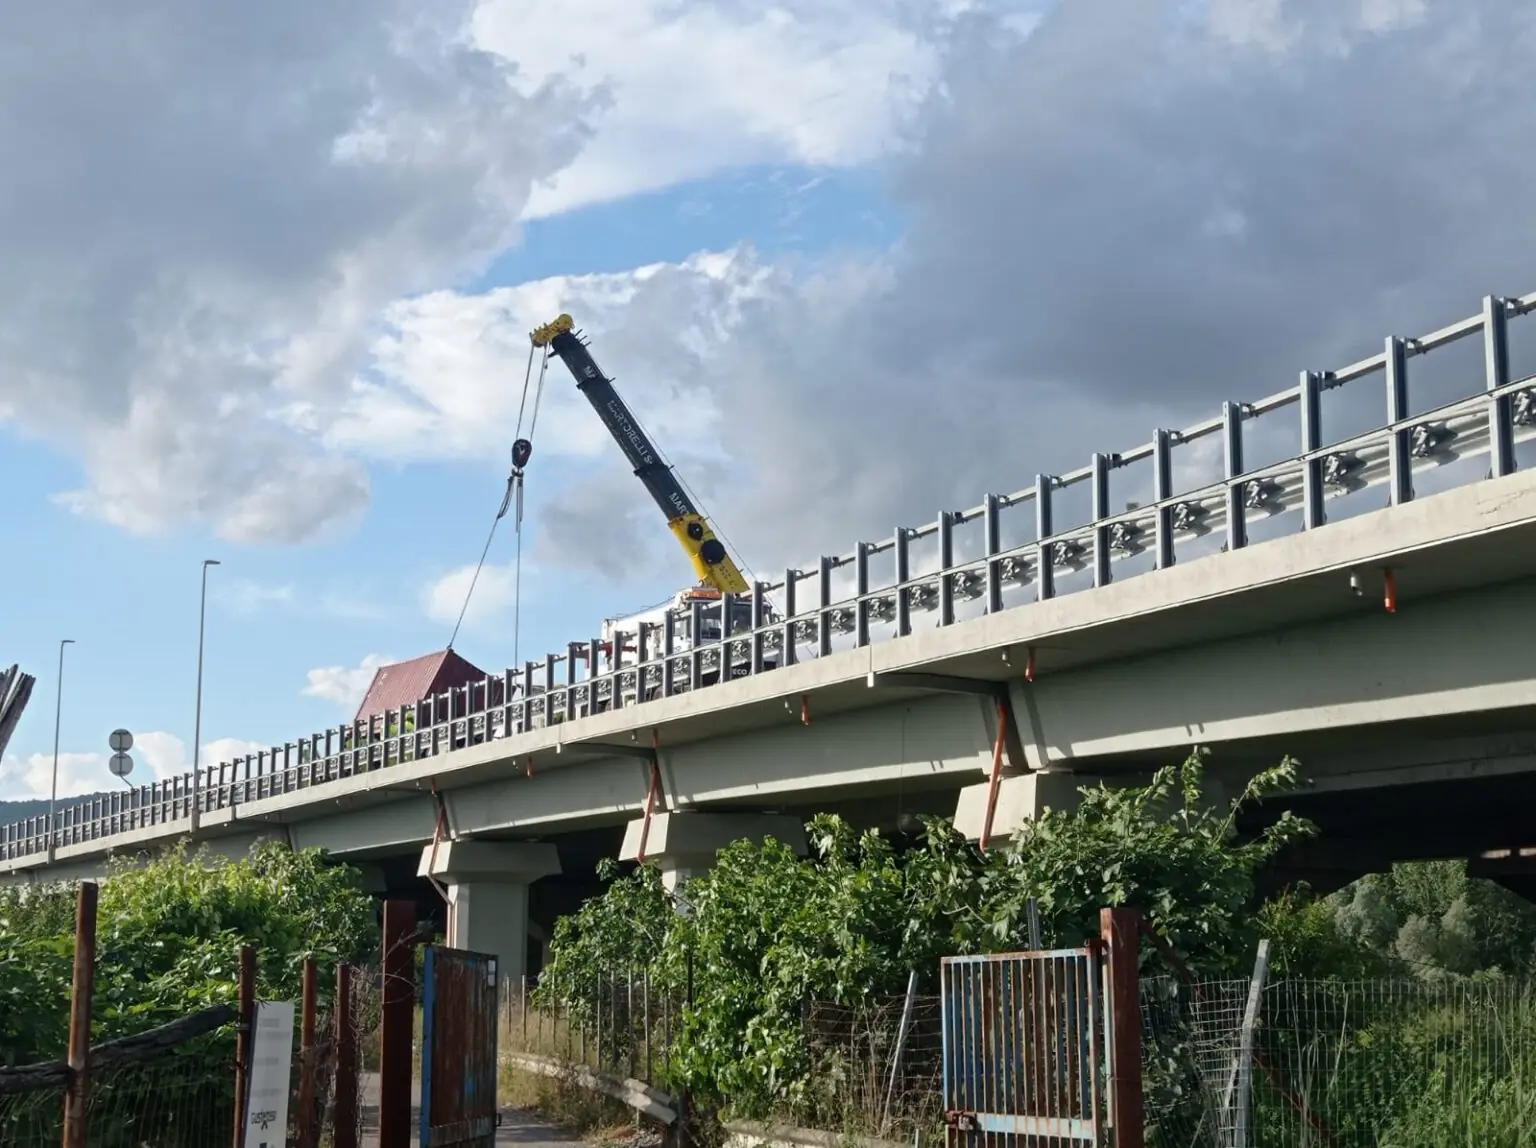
874	1067
620	1025
1384	1064
181	1099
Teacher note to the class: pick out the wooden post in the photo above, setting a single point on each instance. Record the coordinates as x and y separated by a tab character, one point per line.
80	997
245	1032
344	1135
396	1033
1122	943
308	1061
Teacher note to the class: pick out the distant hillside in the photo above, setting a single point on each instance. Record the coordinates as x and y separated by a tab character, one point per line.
21	810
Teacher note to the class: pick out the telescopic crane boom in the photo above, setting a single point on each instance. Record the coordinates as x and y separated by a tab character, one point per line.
711	561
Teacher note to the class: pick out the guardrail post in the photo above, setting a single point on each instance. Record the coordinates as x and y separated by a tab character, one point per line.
861	594
1310	392
1100	498
992	529
791	577
668	652
946	560
759	601
1045	562
1232	451
824	607
695	645
903	574
1399	458
1501	427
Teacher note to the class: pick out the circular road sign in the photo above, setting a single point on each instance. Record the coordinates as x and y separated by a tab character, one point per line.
121	765
121	741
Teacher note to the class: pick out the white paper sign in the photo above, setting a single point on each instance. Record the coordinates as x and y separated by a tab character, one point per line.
271	1067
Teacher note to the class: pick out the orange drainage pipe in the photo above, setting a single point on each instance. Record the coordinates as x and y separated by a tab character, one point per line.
652	795
997	774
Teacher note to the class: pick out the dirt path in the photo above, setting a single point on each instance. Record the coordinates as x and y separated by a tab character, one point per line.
518	1126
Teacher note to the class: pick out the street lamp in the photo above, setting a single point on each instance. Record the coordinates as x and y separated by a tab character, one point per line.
58	713
197	724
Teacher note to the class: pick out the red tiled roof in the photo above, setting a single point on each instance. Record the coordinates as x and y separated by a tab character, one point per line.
406	683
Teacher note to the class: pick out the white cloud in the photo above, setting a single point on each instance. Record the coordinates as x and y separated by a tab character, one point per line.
1115	224
245	596
494	592
157	755
699	86
344	685
447	377
178	270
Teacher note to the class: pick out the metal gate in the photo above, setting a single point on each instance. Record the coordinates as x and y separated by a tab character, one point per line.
1024	1040
458	1049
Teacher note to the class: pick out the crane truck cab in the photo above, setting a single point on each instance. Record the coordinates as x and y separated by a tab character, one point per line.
711	605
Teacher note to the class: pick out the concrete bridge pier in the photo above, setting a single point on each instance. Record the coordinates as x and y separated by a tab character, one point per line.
487	884
685	844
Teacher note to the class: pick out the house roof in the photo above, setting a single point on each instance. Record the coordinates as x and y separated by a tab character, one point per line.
406	683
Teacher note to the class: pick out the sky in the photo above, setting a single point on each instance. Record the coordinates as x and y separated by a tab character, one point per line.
268	275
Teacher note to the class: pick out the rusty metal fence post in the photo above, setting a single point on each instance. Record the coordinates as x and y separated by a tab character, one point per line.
244	1032
1121	932
348	1065
309	1061
80	997
396	1028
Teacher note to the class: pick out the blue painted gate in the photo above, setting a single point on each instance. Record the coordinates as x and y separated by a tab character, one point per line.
460	1008
1024	1041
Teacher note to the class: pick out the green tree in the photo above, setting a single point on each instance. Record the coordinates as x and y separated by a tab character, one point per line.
167	937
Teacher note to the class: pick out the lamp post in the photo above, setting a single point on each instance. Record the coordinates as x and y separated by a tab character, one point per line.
58	714
197	722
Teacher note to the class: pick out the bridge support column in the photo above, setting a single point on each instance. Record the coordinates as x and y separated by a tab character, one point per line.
1020	799
487	885
685	843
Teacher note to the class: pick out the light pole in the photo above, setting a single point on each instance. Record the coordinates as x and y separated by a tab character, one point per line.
197	722
58	714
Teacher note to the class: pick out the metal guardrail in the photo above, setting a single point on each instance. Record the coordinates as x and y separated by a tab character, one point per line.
1490	422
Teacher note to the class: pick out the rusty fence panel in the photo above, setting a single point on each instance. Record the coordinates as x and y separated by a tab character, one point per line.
1024	1049
458	1049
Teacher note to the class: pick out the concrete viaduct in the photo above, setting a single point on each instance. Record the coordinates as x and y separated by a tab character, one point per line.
1392	652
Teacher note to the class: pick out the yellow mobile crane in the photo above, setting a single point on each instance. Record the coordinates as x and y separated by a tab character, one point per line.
711	562
718	574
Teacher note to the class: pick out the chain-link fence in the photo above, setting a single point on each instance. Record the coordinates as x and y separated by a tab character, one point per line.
1328	1064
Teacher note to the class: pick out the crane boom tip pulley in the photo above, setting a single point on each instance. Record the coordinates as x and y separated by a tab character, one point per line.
542	336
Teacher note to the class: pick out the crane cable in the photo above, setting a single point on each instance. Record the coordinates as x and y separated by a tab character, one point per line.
522	450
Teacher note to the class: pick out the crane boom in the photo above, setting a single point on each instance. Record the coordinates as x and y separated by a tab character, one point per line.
711	562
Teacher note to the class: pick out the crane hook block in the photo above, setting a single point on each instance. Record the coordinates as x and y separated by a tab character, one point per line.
541	336
522	451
